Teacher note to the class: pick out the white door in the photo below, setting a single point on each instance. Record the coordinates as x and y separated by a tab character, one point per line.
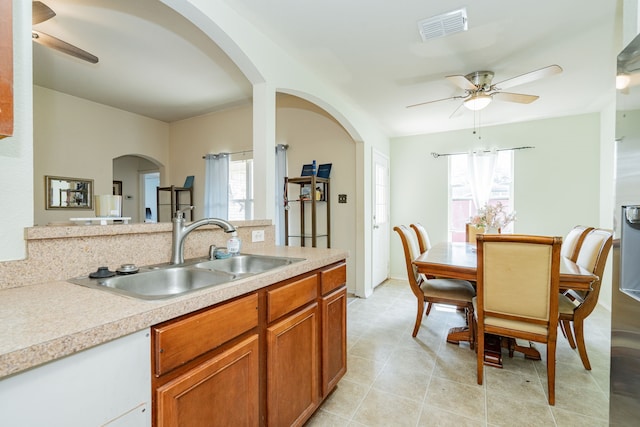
381	227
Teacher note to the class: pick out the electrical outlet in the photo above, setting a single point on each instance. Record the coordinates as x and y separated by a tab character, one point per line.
257	236
342	198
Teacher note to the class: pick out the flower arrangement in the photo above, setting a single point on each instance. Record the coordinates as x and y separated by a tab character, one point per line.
492	217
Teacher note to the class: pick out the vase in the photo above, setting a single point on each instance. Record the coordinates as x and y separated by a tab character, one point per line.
492	230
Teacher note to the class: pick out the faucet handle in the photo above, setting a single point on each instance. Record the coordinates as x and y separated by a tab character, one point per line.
180	212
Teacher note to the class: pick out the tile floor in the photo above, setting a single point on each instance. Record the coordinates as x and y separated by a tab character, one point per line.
394	379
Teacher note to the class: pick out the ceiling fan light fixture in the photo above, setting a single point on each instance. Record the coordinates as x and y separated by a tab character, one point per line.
622	81
443	25
477	101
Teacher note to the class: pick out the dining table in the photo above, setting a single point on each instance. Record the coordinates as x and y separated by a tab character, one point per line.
458	260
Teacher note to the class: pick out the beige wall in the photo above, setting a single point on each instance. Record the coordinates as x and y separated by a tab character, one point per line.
310	132
77	138
226	131
557	184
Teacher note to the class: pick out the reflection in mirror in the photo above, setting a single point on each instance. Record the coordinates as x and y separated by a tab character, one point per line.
68	193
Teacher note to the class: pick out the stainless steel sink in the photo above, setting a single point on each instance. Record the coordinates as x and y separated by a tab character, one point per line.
246	265
166	280
158	283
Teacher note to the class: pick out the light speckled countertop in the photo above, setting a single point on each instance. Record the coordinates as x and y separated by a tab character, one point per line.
47	321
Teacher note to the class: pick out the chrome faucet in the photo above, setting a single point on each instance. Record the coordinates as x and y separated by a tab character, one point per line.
181	231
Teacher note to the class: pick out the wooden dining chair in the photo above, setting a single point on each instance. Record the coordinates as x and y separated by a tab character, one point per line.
458	293
423	237
425	244
575	306
471	231
572	242
517	293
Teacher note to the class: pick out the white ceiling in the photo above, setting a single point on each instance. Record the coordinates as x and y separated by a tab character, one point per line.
155	63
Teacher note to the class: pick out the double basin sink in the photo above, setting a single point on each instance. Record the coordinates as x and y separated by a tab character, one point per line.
166	280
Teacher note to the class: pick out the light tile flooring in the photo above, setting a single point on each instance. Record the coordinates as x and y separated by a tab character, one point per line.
394	379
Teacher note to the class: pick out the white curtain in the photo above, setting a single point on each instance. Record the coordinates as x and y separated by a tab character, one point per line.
281	173
216	186
480	168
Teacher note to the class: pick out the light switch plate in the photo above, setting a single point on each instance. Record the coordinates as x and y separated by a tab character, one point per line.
257	236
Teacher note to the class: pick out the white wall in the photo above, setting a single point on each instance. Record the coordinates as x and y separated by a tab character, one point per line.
556	184
77	138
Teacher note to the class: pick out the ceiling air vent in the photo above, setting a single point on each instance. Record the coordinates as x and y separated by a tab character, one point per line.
443	25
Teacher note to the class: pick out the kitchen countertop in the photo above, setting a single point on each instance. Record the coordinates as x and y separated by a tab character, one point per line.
48	321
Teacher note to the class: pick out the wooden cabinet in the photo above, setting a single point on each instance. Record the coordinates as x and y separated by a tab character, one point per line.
334	339
207	367
293	360
267	358
6	68
333	311
293	368
222	391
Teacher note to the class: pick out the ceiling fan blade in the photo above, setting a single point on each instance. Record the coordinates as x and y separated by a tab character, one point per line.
55	43
40	12
436	100
514	97
528	77
462	82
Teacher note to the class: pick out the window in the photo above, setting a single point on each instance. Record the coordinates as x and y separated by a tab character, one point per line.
241	190
461	205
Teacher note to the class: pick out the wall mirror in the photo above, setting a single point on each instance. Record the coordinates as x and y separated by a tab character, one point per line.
68	193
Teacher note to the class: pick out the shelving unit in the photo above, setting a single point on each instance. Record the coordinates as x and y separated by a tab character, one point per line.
310	183
176	202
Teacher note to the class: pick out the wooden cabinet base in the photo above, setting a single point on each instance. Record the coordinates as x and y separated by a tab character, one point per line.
267	358
220	392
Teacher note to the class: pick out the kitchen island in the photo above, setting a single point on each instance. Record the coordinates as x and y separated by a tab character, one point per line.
54	321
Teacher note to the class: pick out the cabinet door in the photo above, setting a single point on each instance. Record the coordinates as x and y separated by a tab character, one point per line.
222	391
293	368
334	339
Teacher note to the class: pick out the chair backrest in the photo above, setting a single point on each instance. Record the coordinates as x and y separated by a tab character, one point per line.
593	257
471	231
423	237
572	242
411	251
518	279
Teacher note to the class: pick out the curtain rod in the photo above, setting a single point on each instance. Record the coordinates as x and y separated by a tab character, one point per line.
436	155
237	152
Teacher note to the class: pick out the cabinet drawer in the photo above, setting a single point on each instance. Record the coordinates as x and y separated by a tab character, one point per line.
287	298
178	342
333	278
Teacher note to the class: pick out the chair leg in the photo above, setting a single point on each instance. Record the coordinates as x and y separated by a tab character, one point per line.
566	330
470	327
428	309
551	370
480	353
416	328
578	327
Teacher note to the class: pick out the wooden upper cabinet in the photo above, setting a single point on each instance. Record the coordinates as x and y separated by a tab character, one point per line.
6	68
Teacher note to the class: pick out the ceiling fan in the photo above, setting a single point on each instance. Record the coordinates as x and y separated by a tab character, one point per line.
40	13
479	91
